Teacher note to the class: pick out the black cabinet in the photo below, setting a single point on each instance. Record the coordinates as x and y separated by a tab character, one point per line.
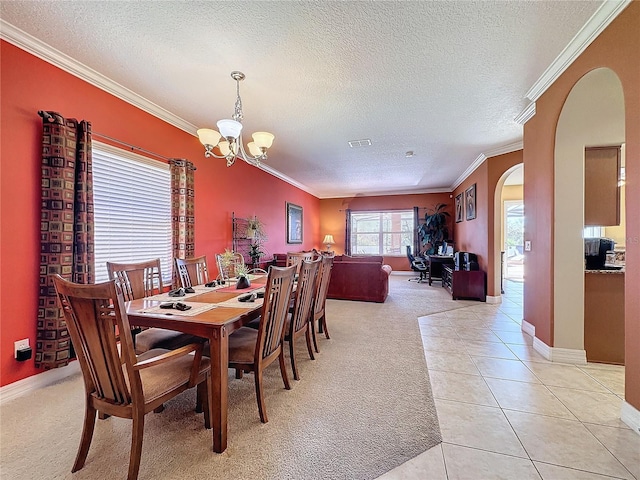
464	283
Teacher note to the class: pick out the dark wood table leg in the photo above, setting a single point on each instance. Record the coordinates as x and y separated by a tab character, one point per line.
219	351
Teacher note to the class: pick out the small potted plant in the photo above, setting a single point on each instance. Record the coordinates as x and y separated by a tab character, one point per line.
255	251
255	229
242	274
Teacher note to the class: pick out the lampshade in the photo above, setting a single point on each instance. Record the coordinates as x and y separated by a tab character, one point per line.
229	128
208	136
328	239
253	149
225	150
263	139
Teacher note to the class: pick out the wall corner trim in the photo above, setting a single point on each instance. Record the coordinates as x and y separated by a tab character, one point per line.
34	382
528	328
526	114
560	355
631	416
600	20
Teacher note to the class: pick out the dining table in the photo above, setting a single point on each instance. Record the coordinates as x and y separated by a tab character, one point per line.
215	313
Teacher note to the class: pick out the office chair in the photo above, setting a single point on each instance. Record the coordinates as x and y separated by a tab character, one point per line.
417	265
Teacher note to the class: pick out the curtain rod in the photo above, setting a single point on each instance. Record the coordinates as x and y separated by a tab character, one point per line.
49	117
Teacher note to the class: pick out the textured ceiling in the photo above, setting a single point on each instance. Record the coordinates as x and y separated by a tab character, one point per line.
444	79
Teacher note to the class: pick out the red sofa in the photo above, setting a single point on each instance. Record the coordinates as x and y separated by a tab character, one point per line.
359	278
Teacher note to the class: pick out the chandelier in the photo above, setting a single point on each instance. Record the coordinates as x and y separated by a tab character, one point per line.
230	132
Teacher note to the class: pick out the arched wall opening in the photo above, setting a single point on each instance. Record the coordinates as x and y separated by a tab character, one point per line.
498	224
592	115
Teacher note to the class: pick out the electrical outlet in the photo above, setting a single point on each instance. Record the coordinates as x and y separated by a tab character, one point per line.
527	245
18	345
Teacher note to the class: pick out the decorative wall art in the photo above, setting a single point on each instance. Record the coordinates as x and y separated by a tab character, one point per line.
294	223
470	202
459	208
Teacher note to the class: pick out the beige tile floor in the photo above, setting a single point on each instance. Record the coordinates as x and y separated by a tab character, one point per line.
507	413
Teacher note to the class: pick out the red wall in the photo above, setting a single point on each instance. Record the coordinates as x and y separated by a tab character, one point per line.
29	84
332	214
617	48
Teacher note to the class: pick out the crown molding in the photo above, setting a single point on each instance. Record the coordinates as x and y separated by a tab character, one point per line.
508	148
63	61
38	48
526	114
470	169
388	193
284	178
600	20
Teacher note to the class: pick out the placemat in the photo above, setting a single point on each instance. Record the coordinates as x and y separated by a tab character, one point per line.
196	308
235	303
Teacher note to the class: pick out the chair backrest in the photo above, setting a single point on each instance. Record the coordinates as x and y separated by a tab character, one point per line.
275	309
305	292
322	286
227	268
192	271
94	315
137	280
410	256
296	258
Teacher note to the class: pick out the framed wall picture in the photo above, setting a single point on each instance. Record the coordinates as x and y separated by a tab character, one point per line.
470	202
294	223
459	208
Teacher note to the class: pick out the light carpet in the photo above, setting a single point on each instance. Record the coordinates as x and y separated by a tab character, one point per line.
363	407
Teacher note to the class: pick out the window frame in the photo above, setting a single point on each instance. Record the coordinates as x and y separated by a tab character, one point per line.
381	232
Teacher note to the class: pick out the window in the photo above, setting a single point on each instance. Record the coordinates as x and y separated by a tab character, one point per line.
132	204
593	232
382	233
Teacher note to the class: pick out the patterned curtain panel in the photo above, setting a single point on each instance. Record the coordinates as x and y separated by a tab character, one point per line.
416	237
66	228
347	238
182	208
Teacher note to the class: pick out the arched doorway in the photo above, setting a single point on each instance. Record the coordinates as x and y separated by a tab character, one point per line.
592	115
509	227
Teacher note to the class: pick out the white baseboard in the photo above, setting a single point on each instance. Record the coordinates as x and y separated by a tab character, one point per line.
560	355
542	348
528	328
29	384
631	416
404	273
494	298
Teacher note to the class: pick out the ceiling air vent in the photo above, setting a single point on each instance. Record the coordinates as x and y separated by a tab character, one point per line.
365	142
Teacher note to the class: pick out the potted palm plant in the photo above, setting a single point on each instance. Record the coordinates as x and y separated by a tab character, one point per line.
435	230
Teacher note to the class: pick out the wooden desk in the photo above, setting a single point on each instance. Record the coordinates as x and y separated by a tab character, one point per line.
435	265
215	325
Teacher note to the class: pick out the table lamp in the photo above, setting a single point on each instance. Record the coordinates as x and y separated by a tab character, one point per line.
328	241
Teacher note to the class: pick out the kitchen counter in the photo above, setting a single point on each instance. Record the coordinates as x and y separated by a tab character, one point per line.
607	271
604	316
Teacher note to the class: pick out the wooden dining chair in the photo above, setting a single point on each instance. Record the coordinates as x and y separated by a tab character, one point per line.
296	258
192	271
253	350
319	317
144	279
298	323
116	381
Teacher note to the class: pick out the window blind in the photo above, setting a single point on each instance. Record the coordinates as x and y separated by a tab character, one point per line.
132	205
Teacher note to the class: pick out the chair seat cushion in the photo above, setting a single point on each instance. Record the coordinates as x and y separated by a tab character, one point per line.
242	345
162	338
156	381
